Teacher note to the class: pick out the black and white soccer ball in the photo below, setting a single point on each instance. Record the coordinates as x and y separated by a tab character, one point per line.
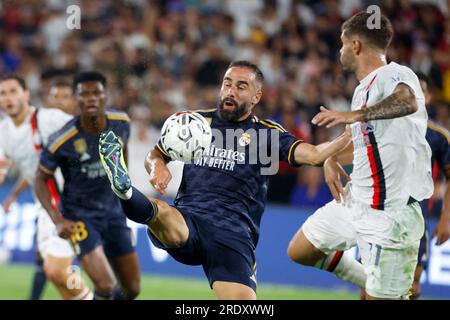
185	135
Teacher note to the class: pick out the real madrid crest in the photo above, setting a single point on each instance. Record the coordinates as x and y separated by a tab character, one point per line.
80	146
245	139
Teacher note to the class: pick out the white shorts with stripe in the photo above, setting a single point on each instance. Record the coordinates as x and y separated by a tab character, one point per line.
388	241
48	241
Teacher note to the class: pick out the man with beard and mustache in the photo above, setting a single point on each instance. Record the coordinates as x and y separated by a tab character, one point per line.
379	211
217	212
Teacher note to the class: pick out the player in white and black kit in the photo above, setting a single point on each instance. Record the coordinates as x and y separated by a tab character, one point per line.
22	135
378	211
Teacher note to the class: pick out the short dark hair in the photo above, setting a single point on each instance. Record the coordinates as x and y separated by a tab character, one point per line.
60	83
358	25
422	76
87	77
247	64
51	73
13	76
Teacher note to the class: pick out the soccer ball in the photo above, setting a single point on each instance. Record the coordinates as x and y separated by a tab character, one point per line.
185	135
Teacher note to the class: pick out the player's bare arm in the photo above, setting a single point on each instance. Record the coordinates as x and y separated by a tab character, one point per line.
309	154
4	166
442	229
64	227
156	167
400	103
19	187
333	171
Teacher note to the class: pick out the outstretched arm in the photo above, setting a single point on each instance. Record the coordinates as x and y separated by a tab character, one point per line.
309	154
401	102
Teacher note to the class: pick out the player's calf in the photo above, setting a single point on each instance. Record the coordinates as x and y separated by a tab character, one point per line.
164	221
302	251
169	226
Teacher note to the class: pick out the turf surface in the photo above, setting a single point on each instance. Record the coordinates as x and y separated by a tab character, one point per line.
15	282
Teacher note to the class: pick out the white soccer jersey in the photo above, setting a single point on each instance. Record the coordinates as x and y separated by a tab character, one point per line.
391	159
17	142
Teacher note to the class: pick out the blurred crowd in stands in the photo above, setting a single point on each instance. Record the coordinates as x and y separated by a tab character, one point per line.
164	56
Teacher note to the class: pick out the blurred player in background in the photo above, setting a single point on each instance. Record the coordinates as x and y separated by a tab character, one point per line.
60	96
217	212
23	134
438	139
88	208
379	210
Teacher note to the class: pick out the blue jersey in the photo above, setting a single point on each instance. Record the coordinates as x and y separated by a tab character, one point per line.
87	191
439	140
226	187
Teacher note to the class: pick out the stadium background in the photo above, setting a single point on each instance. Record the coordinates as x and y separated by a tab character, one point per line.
165	56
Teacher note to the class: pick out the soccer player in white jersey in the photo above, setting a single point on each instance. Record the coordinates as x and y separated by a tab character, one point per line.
23	133
378	210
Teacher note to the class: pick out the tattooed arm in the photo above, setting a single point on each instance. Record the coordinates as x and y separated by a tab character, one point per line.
401	102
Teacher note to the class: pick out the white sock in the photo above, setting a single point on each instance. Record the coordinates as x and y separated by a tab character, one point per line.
86	294
344	267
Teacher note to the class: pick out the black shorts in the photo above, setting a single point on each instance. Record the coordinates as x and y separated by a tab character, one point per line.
110	231
225	255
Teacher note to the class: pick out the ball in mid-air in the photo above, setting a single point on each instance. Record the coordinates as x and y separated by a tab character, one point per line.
185	135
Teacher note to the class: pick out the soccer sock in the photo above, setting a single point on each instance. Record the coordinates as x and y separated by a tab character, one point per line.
98	296
86	294
139	208
344	267
118	293
39	281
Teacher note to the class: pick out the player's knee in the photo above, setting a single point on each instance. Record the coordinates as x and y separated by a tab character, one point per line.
296	254
163	208
300	250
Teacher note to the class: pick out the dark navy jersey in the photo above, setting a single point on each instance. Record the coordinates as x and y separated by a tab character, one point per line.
439	140
227	187
86	190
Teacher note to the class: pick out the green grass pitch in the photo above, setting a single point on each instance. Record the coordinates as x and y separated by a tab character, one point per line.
15	282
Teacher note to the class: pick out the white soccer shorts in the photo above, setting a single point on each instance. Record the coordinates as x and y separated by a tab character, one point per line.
388	241
48	241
